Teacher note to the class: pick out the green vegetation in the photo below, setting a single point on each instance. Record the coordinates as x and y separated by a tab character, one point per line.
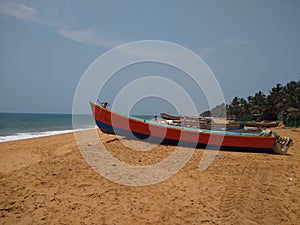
282	102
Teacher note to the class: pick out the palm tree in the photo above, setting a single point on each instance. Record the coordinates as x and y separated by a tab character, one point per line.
292	92
235	107
274	103
292	107
258	103
275	99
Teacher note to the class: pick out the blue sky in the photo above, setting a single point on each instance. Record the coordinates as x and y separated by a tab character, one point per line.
47	45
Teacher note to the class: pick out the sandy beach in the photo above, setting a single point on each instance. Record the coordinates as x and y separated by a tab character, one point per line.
47	181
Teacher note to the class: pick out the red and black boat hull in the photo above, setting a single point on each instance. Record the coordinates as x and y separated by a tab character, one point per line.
114	123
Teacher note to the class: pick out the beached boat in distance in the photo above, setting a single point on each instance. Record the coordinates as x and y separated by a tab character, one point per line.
205	123
190	118
115	123
265	124
169	117
220	126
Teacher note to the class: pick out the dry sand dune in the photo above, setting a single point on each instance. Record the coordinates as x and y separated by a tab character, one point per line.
47	181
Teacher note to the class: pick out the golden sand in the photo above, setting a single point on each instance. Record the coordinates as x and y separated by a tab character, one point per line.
47	181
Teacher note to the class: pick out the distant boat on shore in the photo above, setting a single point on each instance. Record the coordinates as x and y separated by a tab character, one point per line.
264	124
169	117
115	123
201	122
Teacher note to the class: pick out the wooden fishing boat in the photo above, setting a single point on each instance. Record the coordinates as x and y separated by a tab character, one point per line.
191	119
265	124
169	117
199	122
115	123
220	126
205	126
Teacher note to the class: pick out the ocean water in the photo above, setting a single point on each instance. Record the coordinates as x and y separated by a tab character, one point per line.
17	126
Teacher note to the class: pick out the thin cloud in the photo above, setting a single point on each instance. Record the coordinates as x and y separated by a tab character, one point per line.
236	42
89	37
19	11
30	14
22	12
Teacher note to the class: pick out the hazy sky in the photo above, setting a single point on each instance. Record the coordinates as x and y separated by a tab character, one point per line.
47	45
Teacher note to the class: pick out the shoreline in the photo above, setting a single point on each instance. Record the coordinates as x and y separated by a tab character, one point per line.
46	180
30	135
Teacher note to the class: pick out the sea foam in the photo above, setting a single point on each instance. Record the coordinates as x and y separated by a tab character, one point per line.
22	136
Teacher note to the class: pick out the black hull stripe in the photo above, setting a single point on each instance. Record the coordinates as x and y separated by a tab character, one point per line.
153	139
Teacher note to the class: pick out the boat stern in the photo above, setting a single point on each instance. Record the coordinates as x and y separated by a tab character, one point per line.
282	144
